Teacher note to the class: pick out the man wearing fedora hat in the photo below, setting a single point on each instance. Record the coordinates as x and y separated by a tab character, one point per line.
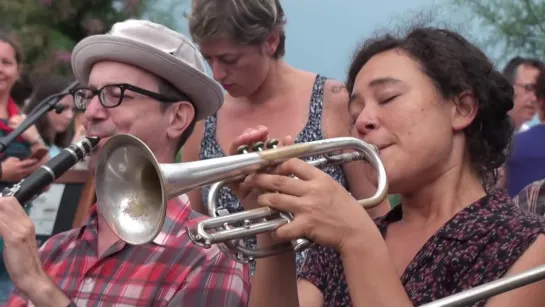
148	81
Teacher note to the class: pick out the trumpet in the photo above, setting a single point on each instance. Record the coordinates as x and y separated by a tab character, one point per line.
134	189
226	237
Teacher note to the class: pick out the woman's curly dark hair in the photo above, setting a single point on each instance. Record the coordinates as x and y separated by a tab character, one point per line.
455	65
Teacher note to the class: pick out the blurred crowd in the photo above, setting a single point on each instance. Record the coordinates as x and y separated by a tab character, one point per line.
19	96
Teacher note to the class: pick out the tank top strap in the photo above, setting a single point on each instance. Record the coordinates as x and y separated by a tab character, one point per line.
317	99
313	129
209	146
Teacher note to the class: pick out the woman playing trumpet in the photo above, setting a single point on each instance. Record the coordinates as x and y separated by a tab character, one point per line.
437	110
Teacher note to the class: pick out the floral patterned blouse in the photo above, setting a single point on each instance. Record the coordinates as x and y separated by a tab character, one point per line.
478	245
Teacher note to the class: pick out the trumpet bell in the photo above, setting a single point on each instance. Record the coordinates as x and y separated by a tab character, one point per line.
130	189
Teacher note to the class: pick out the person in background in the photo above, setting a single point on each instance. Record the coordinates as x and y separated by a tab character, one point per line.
57	130
79	128
21	90
522	73
437	109
16	162
526	163
532	198
244	43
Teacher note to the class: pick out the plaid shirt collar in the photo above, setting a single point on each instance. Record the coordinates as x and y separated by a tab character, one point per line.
178	211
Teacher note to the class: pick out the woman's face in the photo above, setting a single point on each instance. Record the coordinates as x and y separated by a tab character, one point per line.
9	68
60	122
397	107
240	69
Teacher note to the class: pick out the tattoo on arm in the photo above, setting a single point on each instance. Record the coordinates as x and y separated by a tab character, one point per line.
338	88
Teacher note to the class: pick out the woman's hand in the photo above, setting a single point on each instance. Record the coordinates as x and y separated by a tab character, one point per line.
324	211
244	192
31	135
14	169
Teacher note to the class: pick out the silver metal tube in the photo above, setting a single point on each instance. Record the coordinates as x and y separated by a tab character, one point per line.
490	289
223	229
133	189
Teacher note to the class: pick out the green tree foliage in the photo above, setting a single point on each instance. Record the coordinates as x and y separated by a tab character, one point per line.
47	30
510	27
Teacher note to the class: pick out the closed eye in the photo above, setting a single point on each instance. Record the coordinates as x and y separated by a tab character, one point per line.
388	99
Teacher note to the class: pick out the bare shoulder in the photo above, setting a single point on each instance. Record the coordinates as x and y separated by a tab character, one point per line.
336	118
335	94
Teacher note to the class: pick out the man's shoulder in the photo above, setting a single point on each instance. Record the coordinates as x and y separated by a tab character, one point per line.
58	243
530	133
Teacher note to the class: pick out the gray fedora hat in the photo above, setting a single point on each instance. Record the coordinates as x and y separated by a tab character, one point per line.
157	49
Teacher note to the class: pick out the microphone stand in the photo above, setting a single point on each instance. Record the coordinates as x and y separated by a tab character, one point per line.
45	106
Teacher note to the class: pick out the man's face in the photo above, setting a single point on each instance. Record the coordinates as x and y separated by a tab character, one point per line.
525	104
138	115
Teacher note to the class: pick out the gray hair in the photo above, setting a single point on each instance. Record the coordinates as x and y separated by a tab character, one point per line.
244	21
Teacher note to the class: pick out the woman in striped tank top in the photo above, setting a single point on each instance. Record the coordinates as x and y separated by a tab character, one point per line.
244	44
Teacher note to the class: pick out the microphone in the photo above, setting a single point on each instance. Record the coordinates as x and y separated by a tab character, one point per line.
45	106
31	186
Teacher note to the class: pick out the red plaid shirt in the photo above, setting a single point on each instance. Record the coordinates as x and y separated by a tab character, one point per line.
171	271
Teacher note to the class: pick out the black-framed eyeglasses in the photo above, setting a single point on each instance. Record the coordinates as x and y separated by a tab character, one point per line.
528	87
111	95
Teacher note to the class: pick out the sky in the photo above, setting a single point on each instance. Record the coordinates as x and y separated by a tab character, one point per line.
323	34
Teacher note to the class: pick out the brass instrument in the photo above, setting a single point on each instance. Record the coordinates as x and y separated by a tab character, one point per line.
236	248
485	291
134	188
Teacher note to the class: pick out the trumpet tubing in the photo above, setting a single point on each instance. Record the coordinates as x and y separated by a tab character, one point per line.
133	190
228	231
230	237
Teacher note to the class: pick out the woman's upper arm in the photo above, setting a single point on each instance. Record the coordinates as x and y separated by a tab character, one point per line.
309	294
531	295
190	152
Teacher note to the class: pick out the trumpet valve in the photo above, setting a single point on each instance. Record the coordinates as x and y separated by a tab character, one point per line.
258	146
272	143
242	149
197	238
247	224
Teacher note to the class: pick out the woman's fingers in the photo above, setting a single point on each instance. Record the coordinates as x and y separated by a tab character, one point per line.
248	137
281	202
287	141
277	183
291	231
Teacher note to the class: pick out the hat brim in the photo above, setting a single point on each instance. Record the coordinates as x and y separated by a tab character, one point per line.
205	94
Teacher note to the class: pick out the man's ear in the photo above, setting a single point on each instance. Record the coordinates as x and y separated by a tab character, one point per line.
465	107
179	116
